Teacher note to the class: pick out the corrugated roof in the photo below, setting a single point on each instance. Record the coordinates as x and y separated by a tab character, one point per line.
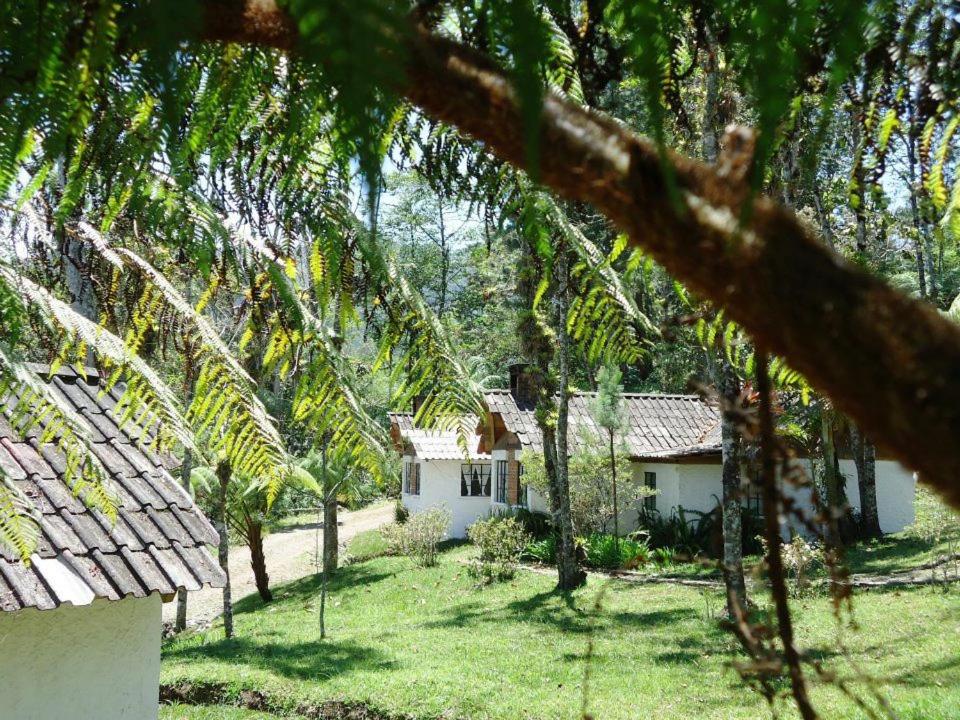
438	444
158	543
656	426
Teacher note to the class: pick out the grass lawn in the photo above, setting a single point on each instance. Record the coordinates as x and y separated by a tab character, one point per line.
220	712
426	642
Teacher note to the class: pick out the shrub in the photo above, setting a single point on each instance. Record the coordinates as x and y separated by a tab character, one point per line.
400	513
500	541
683	535
419	537
542	551
602	551
536	524
663	556
799	558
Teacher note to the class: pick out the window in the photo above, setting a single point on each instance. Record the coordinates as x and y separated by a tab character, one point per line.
650	481
521	487
411	484
474	480
501	496
753	498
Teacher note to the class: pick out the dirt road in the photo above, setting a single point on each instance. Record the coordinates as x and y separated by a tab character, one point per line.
290	555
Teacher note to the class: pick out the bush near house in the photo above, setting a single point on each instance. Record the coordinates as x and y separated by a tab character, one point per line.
419	537
500	541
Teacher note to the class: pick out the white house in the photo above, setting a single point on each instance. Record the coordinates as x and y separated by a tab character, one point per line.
80	625
673	442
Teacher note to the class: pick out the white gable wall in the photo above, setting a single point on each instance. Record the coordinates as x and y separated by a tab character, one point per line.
440	485
93	662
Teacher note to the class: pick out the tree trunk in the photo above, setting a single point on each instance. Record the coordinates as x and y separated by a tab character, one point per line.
223	475
189	378
258	561
331	543
731	508
865	455
181	622
834	500
570	574
616	506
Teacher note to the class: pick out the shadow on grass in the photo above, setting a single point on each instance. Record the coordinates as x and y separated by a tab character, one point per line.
887	555
308	588
295	660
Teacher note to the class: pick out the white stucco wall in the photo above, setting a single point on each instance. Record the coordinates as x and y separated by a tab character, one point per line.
440	485
896	488
668	492
94	662
700	486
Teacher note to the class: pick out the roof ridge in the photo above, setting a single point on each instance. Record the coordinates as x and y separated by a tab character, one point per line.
674	396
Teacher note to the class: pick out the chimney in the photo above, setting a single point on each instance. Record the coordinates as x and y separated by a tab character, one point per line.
417	402
521	384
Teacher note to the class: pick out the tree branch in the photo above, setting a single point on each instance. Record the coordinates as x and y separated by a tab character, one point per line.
886	360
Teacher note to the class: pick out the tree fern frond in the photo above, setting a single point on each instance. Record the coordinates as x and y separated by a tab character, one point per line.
32	404
145	399
19	520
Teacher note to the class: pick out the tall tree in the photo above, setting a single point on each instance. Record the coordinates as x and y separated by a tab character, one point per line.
223	549
608	414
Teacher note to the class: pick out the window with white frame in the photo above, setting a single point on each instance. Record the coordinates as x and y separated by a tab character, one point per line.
475	480
502	469
411	484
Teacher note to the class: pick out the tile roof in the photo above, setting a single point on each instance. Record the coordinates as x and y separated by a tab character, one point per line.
656	426
158	543
437	444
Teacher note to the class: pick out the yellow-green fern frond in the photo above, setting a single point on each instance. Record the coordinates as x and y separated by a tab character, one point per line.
32	405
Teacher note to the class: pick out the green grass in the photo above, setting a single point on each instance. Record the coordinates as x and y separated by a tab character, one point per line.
220	712
892	553
426	642
366	546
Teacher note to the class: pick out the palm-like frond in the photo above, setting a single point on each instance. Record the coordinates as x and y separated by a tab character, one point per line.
225	406
146	401
31	404
429	368
604	317
19	520
326	399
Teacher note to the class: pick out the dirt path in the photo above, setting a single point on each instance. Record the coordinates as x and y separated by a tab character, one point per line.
289	553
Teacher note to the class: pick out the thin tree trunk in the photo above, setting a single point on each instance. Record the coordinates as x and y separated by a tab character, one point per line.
181	622
325	573
223	475
834	500
258	561
570	574
444	262
926	272
730	507
331	542
187	467
771	512
616	506
865	455
727	382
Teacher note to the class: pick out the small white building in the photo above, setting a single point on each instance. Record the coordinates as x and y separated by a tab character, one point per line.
80	625
673	442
